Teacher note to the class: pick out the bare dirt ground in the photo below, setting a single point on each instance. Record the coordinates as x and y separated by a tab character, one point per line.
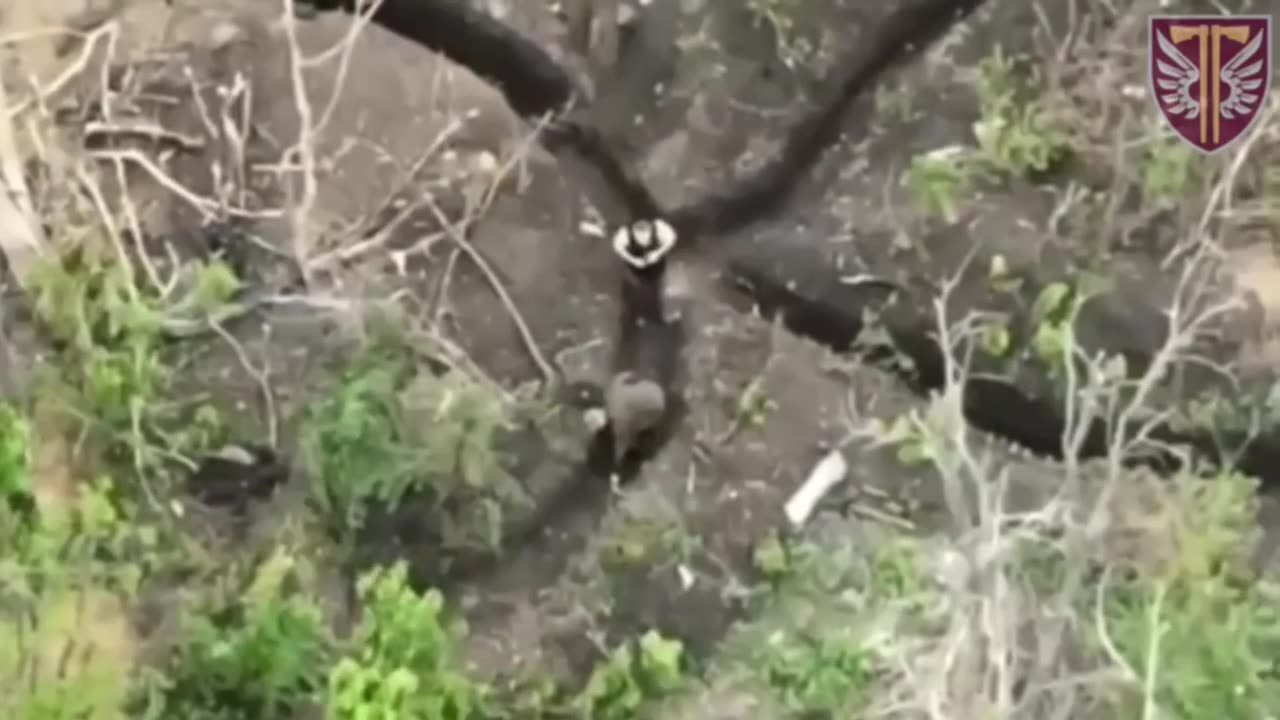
416	186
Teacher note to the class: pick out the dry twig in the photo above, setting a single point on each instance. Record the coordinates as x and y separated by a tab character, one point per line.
261	376
530	343
22	241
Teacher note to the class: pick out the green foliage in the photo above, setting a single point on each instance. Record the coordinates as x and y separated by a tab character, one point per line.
617	689
1168	169
1158	619
15	456
753	405
456	424
995	339
1016	136
1053	317
60	584
896	571
910	439
404	666
260	663
214	287
827	673
772	558
110	332
353	447
111	373
88	539
1229	672
383	434
91	302
938	179
57	674
811	654
640	537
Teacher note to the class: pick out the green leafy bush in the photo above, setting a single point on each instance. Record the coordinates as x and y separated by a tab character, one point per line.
1016	135
617	688
403	665
384	433
262	662
819	673
353	446
1159	615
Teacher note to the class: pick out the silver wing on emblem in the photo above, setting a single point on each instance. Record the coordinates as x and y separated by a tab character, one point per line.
1177	80
1240	78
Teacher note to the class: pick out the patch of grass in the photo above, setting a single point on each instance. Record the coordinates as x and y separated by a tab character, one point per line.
65	669
63	583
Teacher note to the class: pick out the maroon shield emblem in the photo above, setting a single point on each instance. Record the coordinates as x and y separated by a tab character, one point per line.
1210	74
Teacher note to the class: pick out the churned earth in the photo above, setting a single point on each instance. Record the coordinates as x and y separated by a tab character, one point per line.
432	201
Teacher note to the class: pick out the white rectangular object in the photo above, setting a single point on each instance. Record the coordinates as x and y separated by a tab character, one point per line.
825	475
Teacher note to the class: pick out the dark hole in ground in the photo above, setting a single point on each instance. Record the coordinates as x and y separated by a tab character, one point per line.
236	477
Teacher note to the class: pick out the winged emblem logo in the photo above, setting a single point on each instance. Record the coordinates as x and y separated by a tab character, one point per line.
1210	75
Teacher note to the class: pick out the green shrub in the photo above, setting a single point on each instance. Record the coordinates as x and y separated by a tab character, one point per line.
617	688
403	665
259	661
